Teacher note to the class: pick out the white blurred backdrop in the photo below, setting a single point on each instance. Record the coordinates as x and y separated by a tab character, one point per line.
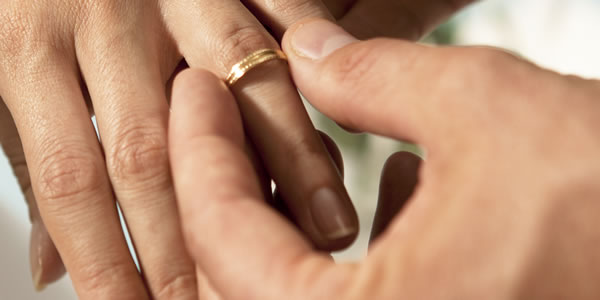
557	34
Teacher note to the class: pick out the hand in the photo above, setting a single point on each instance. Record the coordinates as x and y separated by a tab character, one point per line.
119	56
126	52
507	200
59	61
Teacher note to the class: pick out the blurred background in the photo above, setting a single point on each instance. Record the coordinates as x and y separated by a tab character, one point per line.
557	34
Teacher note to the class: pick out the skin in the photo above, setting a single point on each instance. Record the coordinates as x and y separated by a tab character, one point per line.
62	61
505	206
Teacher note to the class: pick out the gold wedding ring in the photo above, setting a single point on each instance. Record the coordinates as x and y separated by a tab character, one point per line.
252	61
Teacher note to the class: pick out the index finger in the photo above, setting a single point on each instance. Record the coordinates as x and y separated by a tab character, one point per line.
229	229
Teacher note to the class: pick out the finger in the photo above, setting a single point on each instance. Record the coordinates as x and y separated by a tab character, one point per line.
274	117
223	215
395	88
263	176
132	115
399	179
69	179
405	19
278	16
278	201
46	264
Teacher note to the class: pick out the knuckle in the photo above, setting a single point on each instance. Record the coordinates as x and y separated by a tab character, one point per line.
179	286
480	84
26	42
491	57
292	8
481	71
227	209
350	71
107	27
16	33
239	41
68	172
105	275
197	245
351	67
484	64
139	153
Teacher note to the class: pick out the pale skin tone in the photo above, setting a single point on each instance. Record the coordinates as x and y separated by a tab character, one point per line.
62	61
507	201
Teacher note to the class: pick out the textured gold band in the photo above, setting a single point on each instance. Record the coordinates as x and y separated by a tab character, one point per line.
252	61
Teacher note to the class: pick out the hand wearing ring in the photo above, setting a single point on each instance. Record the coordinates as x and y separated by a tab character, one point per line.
61	61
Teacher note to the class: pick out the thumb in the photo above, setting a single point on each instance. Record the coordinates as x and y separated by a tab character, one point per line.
392	87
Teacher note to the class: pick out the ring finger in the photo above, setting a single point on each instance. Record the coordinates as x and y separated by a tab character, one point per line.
274	116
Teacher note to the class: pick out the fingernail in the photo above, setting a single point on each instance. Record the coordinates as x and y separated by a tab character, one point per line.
329	215
35	257
37	282
319	38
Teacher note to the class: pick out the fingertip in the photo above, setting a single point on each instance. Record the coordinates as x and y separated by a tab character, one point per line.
341	241
287	36
367	86
202	105
190	83
403	161
194	75
314	39
183	65
399	179
332	212
335	218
